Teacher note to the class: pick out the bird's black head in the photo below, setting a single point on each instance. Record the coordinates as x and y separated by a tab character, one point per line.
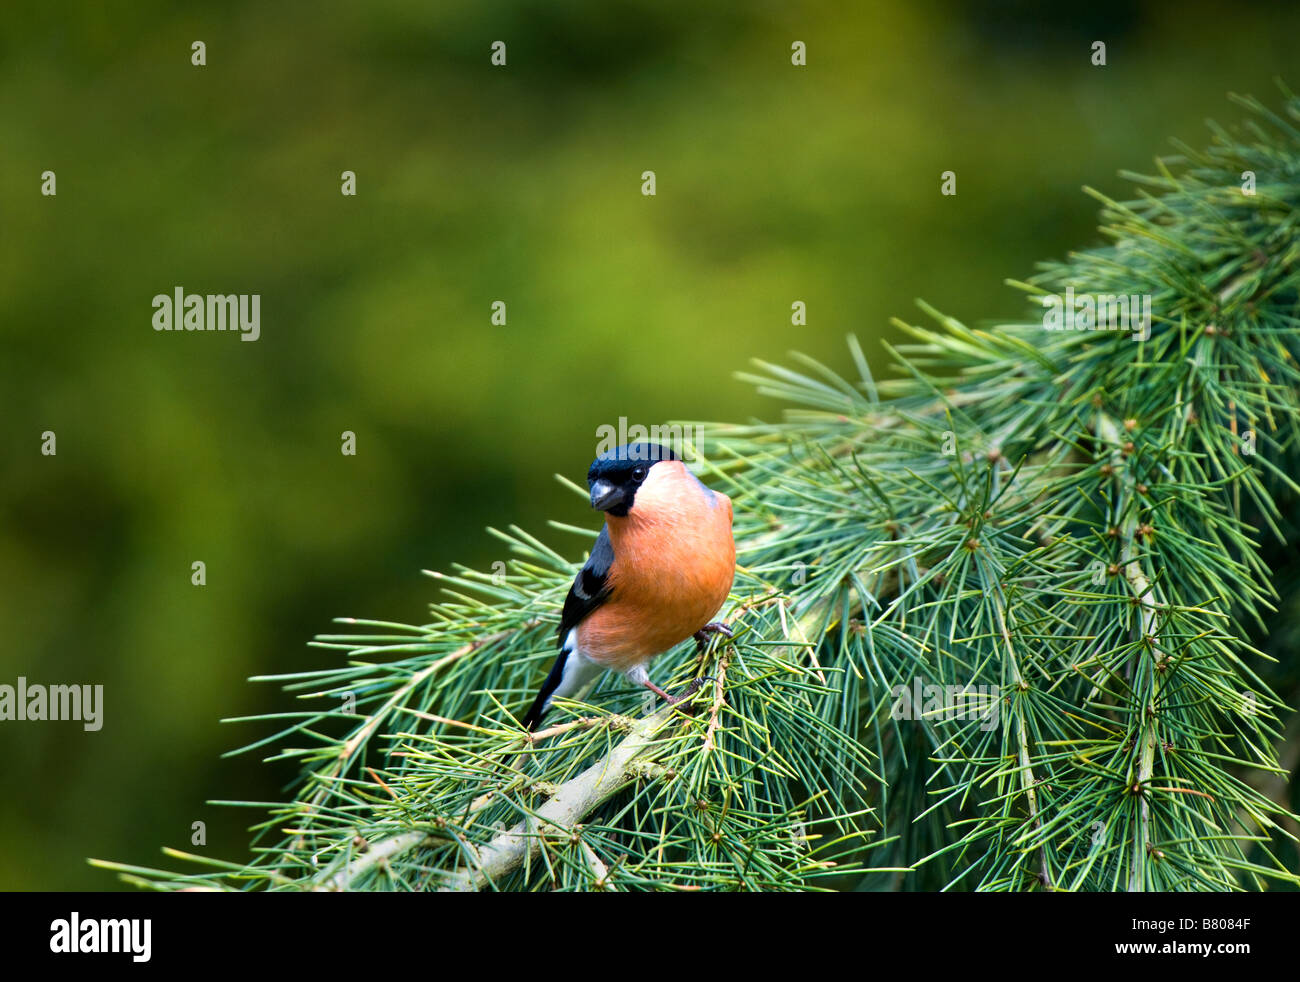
616	474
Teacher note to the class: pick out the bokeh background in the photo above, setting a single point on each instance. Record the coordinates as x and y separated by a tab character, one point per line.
475	184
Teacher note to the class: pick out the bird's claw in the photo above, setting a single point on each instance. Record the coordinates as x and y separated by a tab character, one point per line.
696	684
691	689
715	627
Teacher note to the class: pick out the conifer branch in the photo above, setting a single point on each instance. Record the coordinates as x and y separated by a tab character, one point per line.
570	804
1066	522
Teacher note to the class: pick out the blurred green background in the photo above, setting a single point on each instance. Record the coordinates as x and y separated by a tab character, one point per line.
475	184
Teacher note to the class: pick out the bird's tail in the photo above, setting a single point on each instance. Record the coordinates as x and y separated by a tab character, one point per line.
543	701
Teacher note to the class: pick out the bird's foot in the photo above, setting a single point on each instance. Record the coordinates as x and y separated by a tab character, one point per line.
695	686
685	697
708	630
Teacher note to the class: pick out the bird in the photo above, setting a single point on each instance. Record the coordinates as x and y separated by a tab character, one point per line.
661	568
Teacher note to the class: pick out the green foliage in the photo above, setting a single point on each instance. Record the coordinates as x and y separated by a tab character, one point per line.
1071	519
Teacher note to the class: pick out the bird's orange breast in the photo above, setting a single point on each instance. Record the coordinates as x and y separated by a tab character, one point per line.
674	561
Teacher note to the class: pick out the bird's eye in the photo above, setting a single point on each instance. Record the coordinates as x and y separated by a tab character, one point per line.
638	474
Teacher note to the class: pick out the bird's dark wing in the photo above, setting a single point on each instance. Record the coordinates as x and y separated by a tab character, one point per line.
590	587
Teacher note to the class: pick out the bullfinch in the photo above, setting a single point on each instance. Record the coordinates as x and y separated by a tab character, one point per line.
660	570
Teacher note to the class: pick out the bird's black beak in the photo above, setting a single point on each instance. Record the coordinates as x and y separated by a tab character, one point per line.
605	495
